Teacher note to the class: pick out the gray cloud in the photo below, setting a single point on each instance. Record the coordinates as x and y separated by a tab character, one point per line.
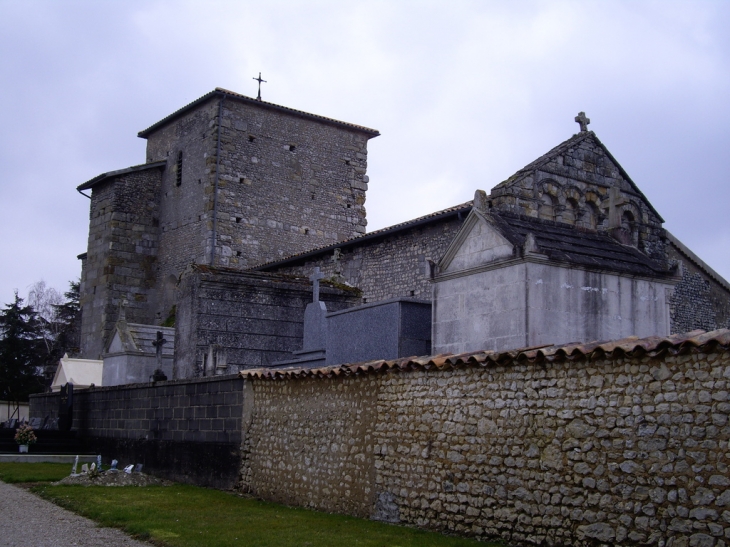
464	93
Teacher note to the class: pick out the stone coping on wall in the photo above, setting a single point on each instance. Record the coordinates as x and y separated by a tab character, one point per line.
654	346
184	381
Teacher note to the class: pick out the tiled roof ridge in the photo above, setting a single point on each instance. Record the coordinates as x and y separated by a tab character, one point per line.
225	92
376	233
653	346
696	260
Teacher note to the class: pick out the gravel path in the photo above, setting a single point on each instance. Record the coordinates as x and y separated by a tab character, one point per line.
29	521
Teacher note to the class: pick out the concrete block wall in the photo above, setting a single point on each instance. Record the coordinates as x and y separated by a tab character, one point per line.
187	431
617	450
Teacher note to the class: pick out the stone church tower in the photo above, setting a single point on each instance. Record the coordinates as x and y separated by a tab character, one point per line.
229	181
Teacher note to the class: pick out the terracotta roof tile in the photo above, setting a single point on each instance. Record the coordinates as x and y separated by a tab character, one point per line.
613	349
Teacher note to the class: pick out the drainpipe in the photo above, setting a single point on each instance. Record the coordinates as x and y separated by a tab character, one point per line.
215	184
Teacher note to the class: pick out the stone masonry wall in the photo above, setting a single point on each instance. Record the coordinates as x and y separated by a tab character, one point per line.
185	430
620	450
336	471
253	318
698	302
185	195
287	184
392	267
121	258
572	184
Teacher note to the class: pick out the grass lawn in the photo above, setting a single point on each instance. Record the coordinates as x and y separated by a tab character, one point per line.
190	516
33	472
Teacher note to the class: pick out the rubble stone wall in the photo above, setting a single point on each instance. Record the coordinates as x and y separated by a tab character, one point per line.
396	266
121	261
699	301
311	443
616	451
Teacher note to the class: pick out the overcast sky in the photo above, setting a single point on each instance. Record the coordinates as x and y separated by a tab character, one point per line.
464	94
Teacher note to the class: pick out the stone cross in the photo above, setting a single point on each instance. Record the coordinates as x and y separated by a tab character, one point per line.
314	278
122	306
336	257
583	121
615	201
259	80
158	343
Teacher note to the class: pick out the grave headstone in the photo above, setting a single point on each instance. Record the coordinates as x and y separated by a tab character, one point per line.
76	466
129	468
114	465
65	408
138	468
93	467
84	468
315	324
98	462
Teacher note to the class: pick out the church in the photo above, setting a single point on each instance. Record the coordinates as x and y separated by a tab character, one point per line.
199	259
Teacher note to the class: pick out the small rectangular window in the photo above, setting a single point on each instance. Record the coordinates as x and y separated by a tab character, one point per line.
178	174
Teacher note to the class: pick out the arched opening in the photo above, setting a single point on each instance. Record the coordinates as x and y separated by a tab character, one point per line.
547	207
628	223
589	218
570	213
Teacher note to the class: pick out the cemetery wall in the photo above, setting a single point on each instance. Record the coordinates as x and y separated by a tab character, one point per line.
187	430
620	443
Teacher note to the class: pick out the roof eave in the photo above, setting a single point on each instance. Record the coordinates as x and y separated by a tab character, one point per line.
219	92
101	178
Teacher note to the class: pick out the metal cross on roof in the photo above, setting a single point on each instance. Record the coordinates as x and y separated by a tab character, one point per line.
259	80
314	278
583	121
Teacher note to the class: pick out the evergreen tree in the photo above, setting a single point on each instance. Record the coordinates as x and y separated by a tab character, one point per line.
68	317
20	352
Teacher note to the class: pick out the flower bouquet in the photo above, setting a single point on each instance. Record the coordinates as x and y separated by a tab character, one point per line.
25	436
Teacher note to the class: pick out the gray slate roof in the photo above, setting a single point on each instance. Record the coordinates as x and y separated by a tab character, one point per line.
569	244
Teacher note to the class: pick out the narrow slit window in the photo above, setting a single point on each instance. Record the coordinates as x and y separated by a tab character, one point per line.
178	174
